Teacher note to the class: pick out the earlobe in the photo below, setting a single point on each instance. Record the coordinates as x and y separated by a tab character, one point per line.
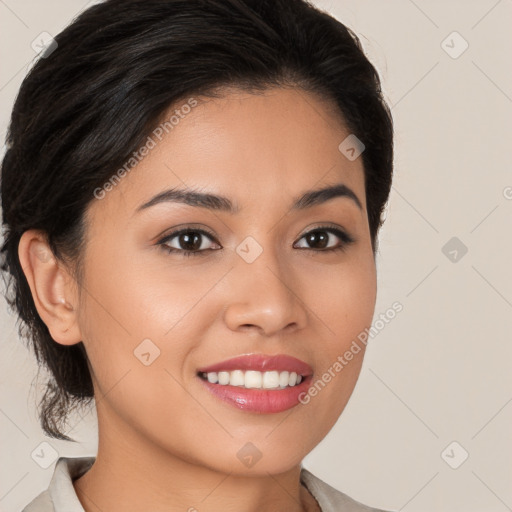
51	286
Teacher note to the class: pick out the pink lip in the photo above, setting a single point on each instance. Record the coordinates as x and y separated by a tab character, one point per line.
260	400
261	363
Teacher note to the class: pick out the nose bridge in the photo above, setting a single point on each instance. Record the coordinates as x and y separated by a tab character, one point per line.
262	270
263	292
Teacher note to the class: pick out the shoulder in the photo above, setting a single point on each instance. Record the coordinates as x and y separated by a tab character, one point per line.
329	498
60	495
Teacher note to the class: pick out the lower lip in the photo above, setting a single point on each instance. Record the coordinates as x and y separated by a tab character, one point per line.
259	400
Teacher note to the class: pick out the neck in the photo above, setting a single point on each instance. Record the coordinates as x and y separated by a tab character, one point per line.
132	474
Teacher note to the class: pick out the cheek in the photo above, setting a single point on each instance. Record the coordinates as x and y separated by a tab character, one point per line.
344	302
129	299
138	371
119	310
343	298
139	322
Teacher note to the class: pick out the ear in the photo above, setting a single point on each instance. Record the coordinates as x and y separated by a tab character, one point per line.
53	288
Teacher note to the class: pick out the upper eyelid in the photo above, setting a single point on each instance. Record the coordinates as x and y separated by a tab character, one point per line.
174	234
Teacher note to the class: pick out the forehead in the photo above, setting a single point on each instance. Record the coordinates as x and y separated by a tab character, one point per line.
253	148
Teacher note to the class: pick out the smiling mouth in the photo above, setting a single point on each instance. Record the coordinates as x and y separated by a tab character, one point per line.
257	371
252	379
258	383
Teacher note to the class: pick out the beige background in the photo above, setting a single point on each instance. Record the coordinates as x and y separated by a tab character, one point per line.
440	371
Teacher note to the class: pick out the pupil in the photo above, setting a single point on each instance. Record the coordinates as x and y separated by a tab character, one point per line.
190	242
323	238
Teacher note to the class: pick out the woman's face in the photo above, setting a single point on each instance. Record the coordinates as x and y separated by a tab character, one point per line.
259	282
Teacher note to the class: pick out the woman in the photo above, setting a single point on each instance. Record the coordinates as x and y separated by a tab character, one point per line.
191	193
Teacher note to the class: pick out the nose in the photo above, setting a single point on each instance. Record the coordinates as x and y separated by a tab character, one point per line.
265	296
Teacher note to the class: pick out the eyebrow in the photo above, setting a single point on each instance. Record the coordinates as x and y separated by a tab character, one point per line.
220	203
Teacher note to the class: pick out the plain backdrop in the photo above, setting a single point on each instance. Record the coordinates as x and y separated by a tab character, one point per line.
428	426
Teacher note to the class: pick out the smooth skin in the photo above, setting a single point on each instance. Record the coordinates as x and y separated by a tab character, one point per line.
165	442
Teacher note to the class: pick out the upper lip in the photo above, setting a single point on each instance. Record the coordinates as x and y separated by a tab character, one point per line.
261	363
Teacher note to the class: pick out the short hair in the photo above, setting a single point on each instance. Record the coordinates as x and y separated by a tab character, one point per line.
88	104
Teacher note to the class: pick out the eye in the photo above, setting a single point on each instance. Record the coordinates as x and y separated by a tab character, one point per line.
321	239
187	242
198	242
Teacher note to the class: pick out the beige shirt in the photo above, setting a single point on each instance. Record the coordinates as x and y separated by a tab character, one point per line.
61	497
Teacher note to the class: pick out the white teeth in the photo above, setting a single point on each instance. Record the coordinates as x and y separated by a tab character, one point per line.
237	378
255	380
270	380
224	378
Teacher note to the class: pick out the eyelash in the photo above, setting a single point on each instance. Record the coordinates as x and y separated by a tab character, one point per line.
346	240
